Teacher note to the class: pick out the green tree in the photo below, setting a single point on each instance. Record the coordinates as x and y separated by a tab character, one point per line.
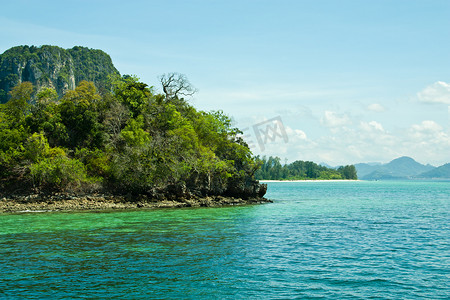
348	172
36	147
59	172
134	134
45	117
80	116
134	94
17	107
46	95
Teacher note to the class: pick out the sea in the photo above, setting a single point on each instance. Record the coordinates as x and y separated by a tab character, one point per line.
317	240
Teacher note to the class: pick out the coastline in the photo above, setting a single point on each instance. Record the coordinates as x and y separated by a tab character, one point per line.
313	180
100	202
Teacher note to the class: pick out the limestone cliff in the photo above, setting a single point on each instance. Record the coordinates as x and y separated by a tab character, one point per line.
52	66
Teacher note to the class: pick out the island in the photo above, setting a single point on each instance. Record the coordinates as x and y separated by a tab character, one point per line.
75	134
272	169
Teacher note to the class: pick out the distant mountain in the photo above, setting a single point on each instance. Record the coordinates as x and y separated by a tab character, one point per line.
364	169
406	166
399	168
439	172
55	67
323	164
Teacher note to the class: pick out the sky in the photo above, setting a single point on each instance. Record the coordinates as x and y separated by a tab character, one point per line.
335	82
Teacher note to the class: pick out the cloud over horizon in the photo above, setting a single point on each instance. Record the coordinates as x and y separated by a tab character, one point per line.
366	141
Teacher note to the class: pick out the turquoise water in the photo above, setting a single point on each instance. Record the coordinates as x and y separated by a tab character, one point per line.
335	240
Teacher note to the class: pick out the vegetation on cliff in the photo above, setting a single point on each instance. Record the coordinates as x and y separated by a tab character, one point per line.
52	66
271	169
129	140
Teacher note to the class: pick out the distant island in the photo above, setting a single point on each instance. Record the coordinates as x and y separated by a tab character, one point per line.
73	131
272	169
402	168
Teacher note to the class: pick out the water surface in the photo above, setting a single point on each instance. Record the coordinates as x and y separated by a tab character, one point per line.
336	240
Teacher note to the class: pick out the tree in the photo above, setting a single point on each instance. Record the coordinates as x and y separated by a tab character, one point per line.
36	147
175	85
115	117
59	172
133	93
348	172
79	114
17	107
46	95
134	134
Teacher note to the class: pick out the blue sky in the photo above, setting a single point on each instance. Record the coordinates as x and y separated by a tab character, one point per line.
351	81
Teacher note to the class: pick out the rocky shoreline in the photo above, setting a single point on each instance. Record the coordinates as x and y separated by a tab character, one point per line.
99	202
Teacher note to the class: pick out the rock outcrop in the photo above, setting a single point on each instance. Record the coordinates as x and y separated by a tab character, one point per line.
98	201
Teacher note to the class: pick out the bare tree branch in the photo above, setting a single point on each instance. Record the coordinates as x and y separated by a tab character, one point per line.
175	85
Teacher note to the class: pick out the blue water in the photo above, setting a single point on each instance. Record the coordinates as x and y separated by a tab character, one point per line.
334	240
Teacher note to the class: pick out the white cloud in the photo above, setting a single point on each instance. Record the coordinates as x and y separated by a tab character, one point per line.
295	134
376	107
333	119
438	92
427	127
428	133
372	126
428	142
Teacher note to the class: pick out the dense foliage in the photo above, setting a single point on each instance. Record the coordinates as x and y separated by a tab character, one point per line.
271	169
129	140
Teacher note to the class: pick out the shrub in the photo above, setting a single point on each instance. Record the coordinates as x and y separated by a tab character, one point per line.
59	172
